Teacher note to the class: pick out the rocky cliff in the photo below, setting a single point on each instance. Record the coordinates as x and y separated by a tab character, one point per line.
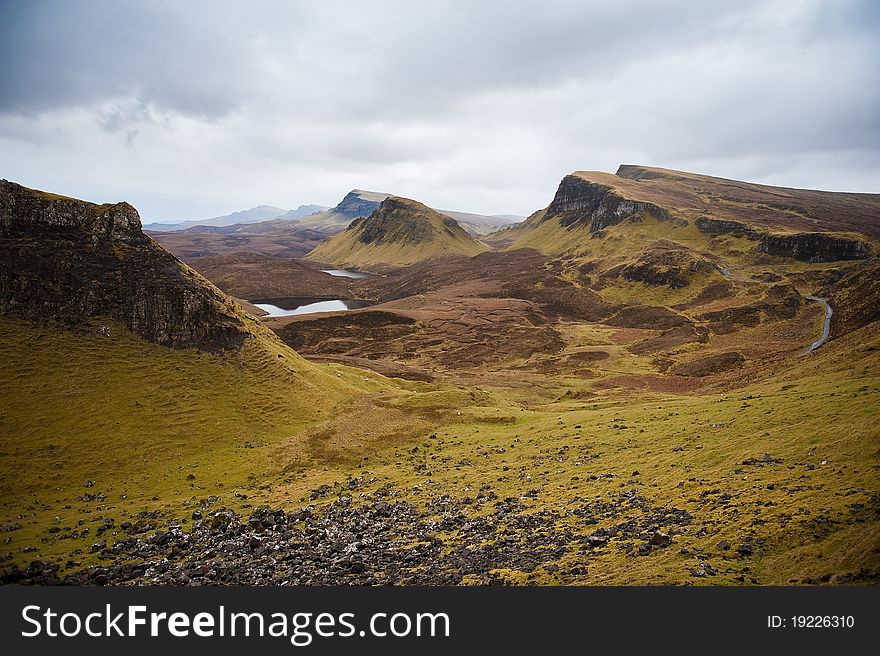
805	246
815	247
356	204
70	261
582	203
726	227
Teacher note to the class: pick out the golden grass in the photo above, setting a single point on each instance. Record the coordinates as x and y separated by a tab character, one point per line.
139	419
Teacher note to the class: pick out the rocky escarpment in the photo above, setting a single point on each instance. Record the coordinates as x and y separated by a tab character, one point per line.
581	203
358	204
726	227
804	246
69	261
815	247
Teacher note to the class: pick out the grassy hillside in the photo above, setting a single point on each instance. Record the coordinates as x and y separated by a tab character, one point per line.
155	429
167	432
632	405
401	232
622	463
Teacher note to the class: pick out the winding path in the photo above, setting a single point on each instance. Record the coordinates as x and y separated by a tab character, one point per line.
826	325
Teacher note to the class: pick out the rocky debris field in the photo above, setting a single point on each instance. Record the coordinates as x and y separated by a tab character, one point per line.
379	540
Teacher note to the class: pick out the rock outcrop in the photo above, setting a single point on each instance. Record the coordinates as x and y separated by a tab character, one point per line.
726	227
581	203
70	261
356	204
805	246
815	247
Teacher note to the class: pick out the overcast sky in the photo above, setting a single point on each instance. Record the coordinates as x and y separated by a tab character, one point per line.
195	109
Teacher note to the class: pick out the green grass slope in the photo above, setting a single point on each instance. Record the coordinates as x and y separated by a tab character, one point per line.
401	232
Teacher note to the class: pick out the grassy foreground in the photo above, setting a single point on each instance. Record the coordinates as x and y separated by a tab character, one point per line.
160	432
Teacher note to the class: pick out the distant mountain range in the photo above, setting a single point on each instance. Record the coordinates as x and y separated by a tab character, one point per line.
253	215
358	203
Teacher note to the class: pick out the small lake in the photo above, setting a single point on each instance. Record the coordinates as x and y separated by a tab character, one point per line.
344	273
288	307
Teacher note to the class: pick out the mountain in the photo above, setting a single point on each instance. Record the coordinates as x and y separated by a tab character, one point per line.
299	212
72	261
243	217
802	224
356	204
359	203
399	233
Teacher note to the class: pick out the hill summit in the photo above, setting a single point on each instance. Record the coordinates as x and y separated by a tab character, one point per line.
357	203
399	233
591	206
70	261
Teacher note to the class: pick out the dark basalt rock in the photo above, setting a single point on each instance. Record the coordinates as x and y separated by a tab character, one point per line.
353	206
69	261
381	541
815	247
724	227
595	206
805	246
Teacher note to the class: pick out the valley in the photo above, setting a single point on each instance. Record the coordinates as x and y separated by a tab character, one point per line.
659	378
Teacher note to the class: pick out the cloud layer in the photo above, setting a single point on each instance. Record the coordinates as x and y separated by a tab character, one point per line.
195	109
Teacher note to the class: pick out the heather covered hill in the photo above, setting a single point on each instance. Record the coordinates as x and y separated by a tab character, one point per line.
254	276
801	224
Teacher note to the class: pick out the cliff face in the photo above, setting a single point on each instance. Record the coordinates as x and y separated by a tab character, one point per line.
581	203
357	204
726	227
805	246
69	260
815	247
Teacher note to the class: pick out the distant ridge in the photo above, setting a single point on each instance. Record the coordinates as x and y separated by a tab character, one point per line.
253	215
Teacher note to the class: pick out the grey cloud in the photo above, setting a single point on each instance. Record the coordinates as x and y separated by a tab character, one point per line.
189	106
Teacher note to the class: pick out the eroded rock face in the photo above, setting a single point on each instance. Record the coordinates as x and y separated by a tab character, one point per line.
815	247
805	246
354	206
595	206
69	260
725	227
